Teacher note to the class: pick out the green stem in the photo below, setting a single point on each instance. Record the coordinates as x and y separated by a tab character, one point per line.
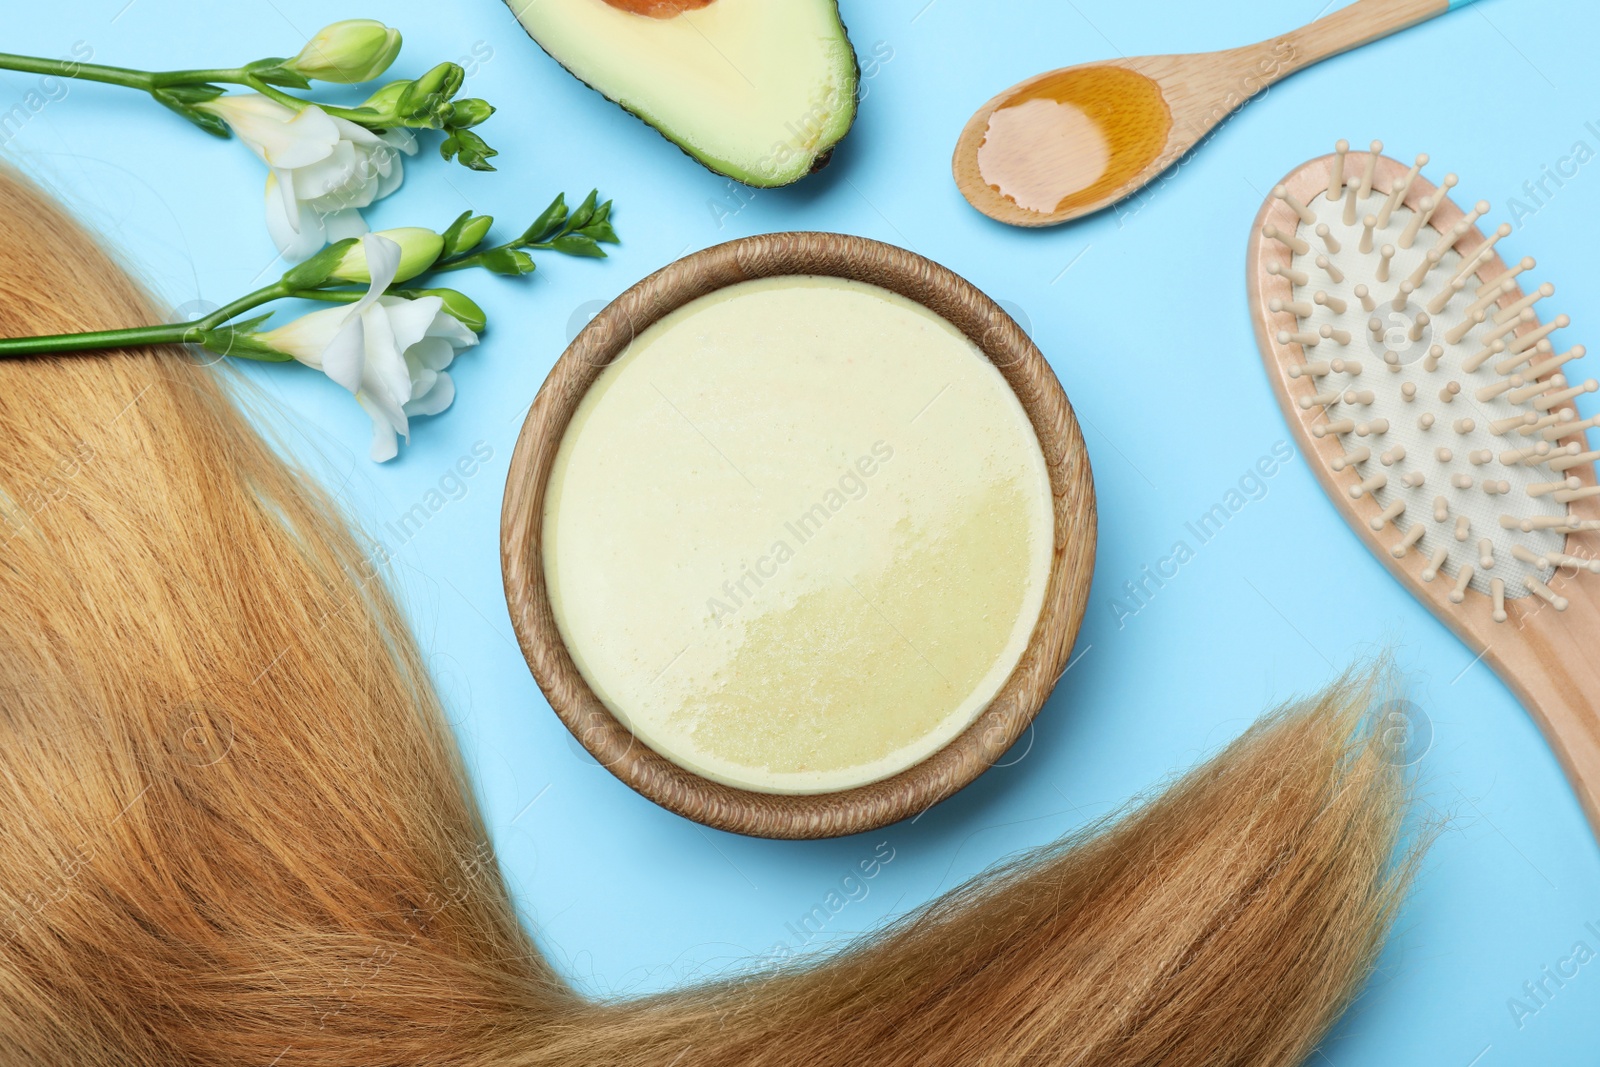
71	68
135	336
83	342
149	81
272	92
125	76
233	76
250	300
459	263
329	296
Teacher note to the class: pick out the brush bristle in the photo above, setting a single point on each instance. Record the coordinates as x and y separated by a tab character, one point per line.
1438	376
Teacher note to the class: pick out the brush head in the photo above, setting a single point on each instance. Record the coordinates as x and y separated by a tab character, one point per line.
1441	400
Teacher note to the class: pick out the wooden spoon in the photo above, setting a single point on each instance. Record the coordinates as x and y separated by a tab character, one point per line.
1074	140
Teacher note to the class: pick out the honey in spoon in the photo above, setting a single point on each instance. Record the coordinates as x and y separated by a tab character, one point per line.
1072	137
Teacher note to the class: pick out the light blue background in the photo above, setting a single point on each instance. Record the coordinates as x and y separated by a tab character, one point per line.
1128	305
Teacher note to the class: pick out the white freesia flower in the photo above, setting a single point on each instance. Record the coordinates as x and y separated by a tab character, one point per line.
324	168
389	351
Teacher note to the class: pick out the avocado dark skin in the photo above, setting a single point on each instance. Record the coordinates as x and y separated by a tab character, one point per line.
821	159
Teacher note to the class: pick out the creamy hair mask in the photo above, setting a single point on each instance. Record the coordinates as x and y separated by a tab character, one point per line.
798	535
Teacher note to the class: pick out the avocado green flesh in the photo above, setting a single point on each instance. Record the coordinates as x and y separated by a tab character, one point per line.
758	90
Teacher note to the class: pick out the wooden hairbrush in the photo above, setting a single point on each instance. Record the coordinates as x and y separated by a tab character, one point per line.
1423	383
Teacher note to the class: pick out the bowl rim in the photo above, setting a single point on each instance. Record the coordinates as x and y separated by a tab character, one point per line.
1014	706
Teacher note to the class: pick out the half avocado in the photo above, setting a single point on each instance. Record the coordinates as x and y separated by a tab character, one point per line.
758	90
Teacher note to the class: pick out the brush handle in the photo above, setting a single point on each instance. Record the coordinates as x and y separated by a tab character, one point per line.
1357	24
1550	664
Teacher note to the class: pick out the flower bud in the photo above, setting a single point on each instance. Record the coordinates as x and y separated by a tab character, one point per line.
424	98
470	112
457	305
386	101
419	248
468	235
348	52
443	79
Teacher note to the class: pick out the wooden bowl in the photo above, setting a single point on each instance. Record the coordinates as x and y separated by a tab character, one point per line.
918	787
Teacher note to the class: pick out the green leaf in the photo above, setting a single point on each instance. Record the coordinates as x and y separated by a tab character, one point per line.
453	231
319	268
548	223
505	260
238	339
602	232
582	213
577	244
207	121
466	233
599	227
187	94
279	75
468	148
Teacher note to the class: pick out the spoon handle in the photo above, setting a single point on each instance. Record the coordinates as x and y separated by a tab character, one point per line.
1357	24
